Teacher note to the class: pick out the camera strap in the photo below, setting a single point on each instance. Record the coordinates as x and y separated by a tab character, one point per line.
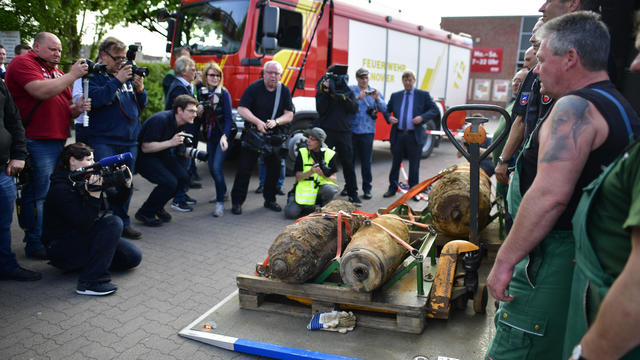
27	120
277	102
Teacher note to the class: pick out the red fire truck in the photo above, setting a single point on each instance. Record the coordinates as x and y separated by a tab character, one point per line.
306	36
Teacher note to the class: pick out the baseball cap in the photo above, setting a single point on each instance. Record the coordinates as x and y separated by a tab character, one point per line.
362	72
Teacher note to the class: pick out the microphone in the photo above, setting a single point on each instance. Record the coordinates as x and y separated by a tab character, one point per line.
108	161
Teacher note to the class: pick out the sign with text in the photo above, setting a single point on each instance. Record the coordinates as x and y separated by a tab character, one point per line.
486	60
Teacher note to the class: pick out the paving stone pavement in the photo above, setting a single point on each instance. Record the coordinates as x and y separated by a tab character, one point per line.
188	266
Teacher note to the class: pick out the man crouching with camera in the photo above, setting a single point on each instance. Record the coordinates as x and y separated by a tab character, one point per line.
78	233
161	147
315	176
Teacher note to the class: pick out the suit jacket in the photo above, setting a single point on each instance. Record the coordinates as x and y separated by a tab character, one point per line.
423	105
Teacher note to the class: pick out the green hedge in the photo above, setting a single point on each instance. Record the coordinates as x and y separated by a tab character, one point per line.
153	85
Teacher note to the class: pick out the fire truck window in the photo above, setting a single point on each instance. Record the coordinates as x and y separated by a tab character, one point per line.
289	32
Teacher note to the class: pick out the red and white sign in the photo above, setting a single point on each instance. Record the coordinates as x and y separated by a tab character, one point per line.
486	60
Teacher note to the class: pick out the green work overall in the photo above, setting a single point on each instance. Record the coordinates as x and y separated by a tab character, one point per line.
532	326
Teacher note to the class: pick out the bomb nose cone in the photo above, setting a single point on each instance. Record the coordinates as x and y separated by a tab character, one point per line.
279	268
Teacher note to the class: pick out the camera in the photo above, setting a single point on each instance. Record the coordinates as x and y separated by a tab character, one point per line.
108	169
370	92
320	161
203	98
187	149
373	113
337	78
95	68
131	60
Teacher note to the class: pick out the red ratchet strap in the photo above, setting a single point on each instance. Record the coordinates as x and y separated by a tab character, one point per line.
417	189
342	217
265	263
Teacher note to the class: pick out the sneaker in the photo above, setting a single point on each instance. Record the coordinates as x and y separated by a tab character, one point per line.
236	209
189	200
366	195
195	185
355	200
96	289
163	215
260	189
219	210
131	233
21	274
272	205
38	254
181	206
344	192
148	220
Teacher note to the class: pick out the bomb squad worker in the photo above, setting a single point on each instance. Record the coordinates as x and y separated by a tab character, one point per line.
585	130
158	160
118	98
412	108
257	109
13	152
315	176
606	227
363	126
43	95
78	234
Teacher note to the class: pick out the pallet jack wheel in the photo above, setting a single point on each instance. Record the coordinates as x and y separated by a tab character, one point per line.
480	298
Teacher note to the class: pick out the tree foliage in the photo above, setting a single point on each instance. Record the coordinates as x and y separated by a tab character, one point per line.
67	18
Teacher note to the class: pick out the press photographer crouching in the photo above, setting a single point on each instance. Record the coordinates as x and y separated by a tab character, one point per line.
158	161
78	233
315	176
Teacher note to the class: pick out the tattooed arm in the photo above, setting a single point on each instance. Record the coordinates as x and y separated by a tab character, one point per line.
574	129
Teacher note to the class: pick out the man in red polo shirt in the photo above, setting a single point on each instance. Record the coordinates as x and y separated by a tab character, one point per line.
41	92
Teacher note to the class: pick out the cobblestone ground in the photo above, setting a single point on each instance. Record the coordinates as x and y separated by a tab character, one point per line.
188	266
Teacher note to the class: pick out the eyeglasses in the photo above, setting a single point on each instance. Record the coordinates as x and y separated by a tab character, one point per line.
116	59
192	111
274	73
214	75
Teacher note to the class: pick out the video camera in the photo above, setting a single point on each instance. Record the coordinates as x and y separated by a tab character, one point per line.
108	169
131	60
338	79
187	148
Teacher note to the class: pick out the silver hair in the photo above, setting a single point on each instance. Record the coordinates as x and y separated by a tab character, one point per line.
582	31
181	65
273	62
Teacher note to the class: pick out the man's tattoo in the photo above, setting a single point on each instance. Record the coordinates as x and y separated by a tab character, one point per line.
570	118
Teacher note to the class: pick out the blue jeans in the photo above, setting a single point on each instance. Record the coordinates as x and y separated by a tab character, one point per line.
216	159
262	171
8	261
44	156
101	151
363	148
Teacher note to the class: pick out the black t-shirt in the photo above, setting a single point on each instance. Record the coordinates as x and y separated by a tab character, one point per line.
332	163
524	95
260	101
159	127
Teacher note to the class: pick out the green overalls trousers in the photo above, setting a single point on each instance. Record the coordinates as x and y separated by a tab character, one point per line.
590	282
532	326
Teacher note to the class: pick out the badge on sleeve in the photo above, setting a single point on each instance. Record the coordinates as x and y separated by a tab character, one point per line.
546	99
524	99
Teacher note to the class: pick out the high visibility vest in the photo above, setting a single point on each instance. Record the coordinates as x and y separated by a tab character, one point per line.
307	189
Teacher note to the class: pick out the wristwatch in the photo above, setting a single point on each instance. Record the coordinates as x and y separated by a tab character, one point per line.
501	160
277	122
576	354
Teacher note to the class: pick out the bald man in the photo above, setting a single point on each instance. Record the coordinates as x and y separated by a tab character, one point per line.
43	96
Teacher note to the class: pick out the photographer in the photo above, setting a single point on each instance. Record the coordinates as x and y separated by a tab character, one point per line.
266	108
118	98
336	104
41	92
363	127
77	233
315	176
215	103
158	162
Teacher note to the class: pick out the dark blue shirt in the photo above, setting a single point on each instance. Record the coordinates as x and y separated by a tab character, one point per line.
159	127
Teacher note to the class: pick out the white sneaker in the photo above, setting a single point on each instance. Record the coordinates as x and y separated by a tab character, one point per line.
219	209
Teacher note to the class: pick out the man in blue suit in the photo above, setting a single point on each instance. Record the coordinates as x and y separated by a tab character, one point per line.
412	109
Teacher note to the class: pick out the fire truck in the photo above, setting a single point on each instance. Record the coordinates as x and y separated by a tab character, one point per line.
306	36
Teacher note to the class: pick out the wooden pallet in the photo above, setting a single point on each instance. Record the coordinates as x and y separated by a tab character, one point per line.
397	309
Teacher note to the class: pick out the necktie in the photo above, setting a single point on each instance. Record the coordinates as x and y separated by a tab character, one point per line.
405	111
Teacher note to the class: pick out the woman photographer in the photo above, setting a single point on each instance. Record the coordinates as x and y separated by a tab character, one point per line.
76	232
216	117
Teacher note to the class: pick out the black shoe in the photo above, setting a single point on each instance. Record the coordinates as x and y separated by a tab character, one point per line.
96	289
181	206
163	215
272	205
195	177
355	200
195	185
344	192
389	193
189	200
367	196
131	233
148	220
21	274
260	189
236	209
280	192
416	198
39	254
